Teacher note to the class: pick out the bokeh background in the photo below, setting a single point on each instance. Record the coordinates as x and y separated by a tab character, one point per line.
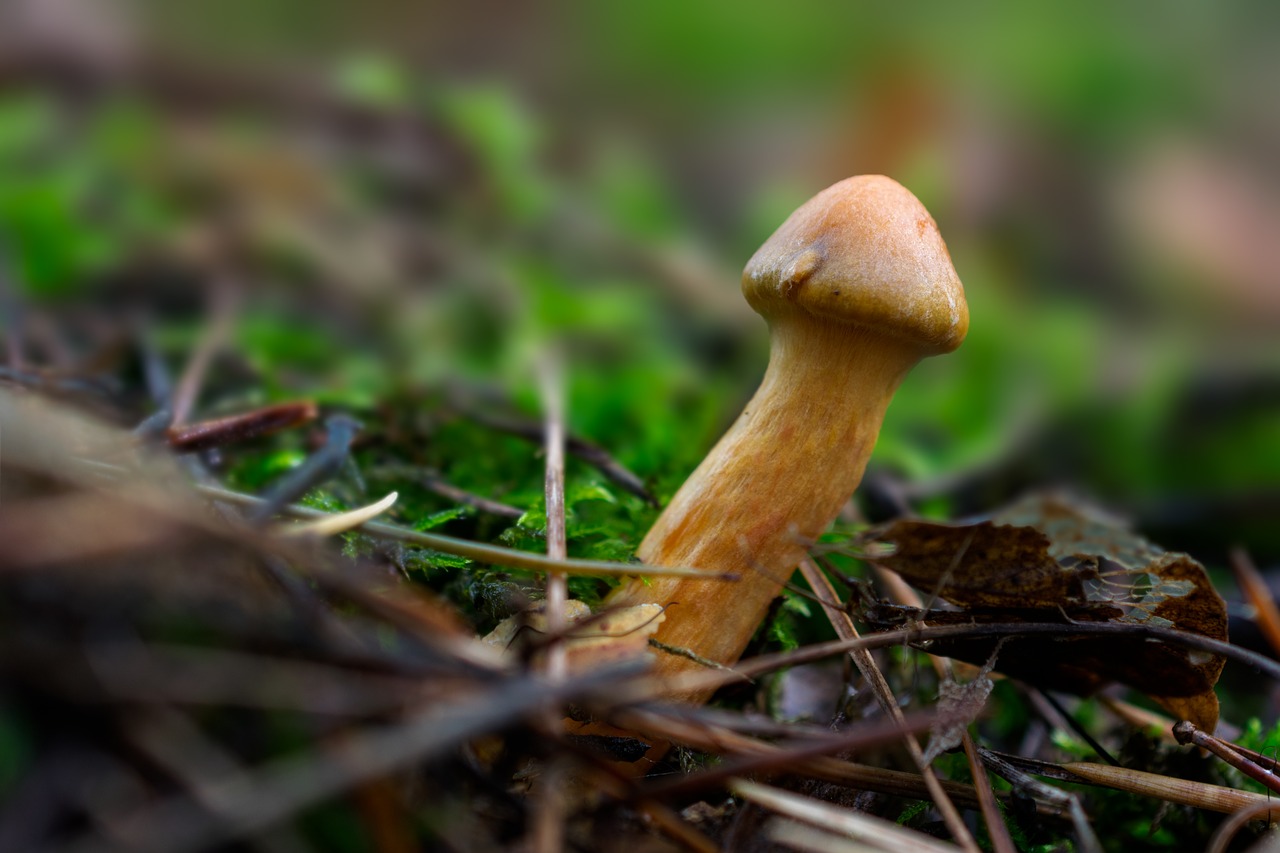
401	197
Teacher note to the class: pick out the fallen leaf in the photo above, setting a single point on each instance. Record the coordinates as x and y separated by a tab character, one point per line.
958	706
1046	559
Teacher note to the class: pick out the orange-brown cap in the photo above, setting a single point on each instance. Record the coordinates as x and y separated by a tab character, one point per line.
863	252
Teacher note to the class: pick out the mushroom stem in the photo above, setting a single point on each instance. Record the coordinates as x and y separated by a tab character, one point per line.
857	286
770	486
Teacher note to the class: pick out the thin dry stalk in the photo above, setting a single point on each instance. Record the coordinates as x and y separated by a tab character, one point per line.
173	742
550	808
551	383
341	522
478	551
743	670
787	758
1244	760
592	454
192	438
52	441
1227	830
859	827
610	780
721	741
1154	724
900	592
677	829
1027	786
224	303
997	831
1197	794
845	630
800	836
480	503
1258	594
254	800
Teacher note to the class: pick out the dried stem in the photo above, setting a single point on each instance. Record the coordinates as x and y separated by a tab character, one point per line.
721	740
551	383
787	758
710	680
678	830
1222	836
845	630
457	495
475	550
191	438
251	801
592	454
1259	595
1198	794
219	329
1241	759
1001	841
875	831
547	832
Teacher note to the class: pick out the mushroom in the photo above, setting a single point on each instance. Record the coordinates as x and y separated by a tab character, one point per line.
857	286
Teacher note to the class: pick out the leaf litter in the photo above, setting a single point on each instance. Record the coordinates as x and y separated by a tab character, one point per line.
1048	558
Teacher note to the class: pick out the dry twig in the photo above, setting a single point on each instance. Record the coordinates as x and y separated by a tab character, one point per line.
845	629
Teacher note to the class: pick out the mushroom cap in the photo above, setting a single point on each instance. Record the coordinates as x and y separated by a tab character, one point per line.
863	252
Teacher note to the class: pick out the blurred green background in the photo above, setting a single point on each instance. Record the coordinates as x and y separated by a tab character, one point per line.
410	201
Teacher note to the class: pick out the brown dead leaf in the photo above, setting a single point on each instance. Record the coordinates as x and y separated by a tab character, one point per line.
958	706
1046	559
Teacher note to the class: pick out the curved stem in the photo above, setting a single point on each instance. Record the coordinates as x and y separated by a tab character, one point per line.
770	487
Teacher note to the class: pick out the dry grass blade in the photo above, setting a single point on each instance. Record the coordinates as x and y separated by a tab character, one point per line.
341	522
1001	841
551	382
192	438
592	454
1009	768
870	830
547	832
225	301
1257	593
476	550
251	801
1221	839
768	663
174	743
721	741
1185	792
482	504
1153	723
787	757
1198	795
801	836
845	630
1241	759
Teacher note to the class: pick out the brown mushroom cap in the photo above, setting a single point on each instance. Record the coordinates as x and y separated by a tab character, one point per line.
863	252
